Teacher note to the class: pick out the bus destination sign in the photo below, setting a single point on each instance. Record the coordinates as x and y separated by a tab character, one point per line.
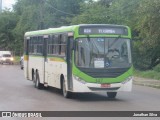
84	30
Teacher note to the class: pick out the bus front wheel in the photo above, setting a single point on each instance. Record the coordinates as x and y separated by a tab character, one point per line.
112	94
66	93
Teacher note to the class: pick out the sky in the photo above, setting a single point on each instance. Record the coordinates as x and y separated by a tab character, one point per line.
8	3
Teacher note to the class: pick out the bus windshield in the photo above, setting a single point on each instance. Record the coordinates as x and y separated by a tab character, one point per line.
103	53
6	55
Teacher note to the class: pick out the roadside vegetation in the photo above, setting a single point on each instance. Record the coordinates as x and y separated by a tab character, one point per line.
17	59
151	74
142	16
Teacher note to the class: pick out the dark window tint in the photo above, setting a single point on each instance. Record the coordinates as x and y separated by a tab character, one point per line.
57	45
6	55
36	45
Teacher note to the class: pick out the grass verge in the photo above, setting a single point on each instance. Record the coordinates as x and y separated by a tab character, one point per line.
148	74
16	59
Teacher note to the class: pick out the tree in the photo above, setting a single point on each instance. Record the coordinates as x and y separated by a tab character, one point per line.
142	16
43	14
92	13
8	21
148	24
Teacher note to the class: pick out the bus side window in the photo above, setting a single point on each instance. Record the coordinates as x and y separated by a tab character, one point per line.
56	45
53	47
40	45
26	46
59	44
34	41
31	48
52	43
63	42
49	46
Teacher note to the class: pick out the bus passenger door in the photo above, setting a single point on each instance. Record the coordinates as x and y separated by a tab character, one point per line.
70	45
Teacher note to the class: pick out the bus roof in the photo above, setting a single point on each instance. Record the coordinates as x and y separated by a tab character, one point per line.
67	29
51	30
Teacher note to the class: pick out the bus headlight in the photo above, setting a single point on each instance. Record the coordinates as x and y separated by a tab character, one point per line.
79	80
12	59
127	79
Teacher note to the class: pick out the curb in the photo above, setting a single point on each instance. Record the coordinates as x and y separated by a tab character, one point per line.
148	85
146	82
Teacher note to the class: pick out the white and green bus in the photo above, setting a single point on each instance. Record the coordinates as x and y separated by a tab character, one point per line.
80	58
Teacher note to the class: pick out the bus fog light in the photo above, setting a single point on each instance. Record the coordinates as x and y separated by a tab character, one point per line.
79	80
127	79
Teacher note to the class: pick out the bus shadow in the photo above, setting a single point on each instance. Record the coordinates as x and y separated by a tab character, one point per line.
92	97
83	96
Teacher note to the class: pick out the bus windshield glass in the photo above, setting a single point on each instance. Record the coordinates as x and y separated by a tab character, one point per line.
6	55
103	53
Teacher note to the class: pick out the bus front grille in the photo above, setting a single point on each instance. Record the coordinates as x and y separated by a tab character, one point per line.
104	73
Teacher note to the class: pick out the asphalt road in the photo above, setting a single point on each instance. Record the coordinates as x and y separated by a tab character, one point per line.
18	94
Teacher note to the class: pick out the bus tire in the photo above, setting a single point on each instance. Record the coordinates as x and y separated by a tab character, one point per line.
66	93
38	85
33	76
112	94
21	68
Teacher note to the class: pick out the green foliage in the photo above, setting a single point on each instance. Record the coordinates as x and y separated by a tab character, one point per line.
157	68
17	59
92	14
148	74
148	24
8	22
33	15
152	74
143	18
141	15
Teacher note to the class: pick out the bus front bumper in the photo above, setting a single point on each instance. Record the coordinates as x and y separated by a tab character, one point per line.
95	87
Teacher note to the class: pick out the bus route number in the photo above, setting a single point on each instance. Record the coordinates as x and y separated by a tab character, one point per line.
87	30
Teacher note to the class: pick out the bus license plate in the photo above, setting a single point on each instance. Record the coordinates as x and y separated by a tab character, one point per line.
105	85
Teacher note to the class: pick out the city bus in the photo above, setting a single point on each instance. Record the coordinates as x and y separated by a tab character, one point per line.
80	58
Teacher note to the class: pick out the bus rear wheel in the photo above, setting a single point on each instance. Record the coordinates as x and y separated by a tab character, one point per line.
38	85
33	76
66	93
112	94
